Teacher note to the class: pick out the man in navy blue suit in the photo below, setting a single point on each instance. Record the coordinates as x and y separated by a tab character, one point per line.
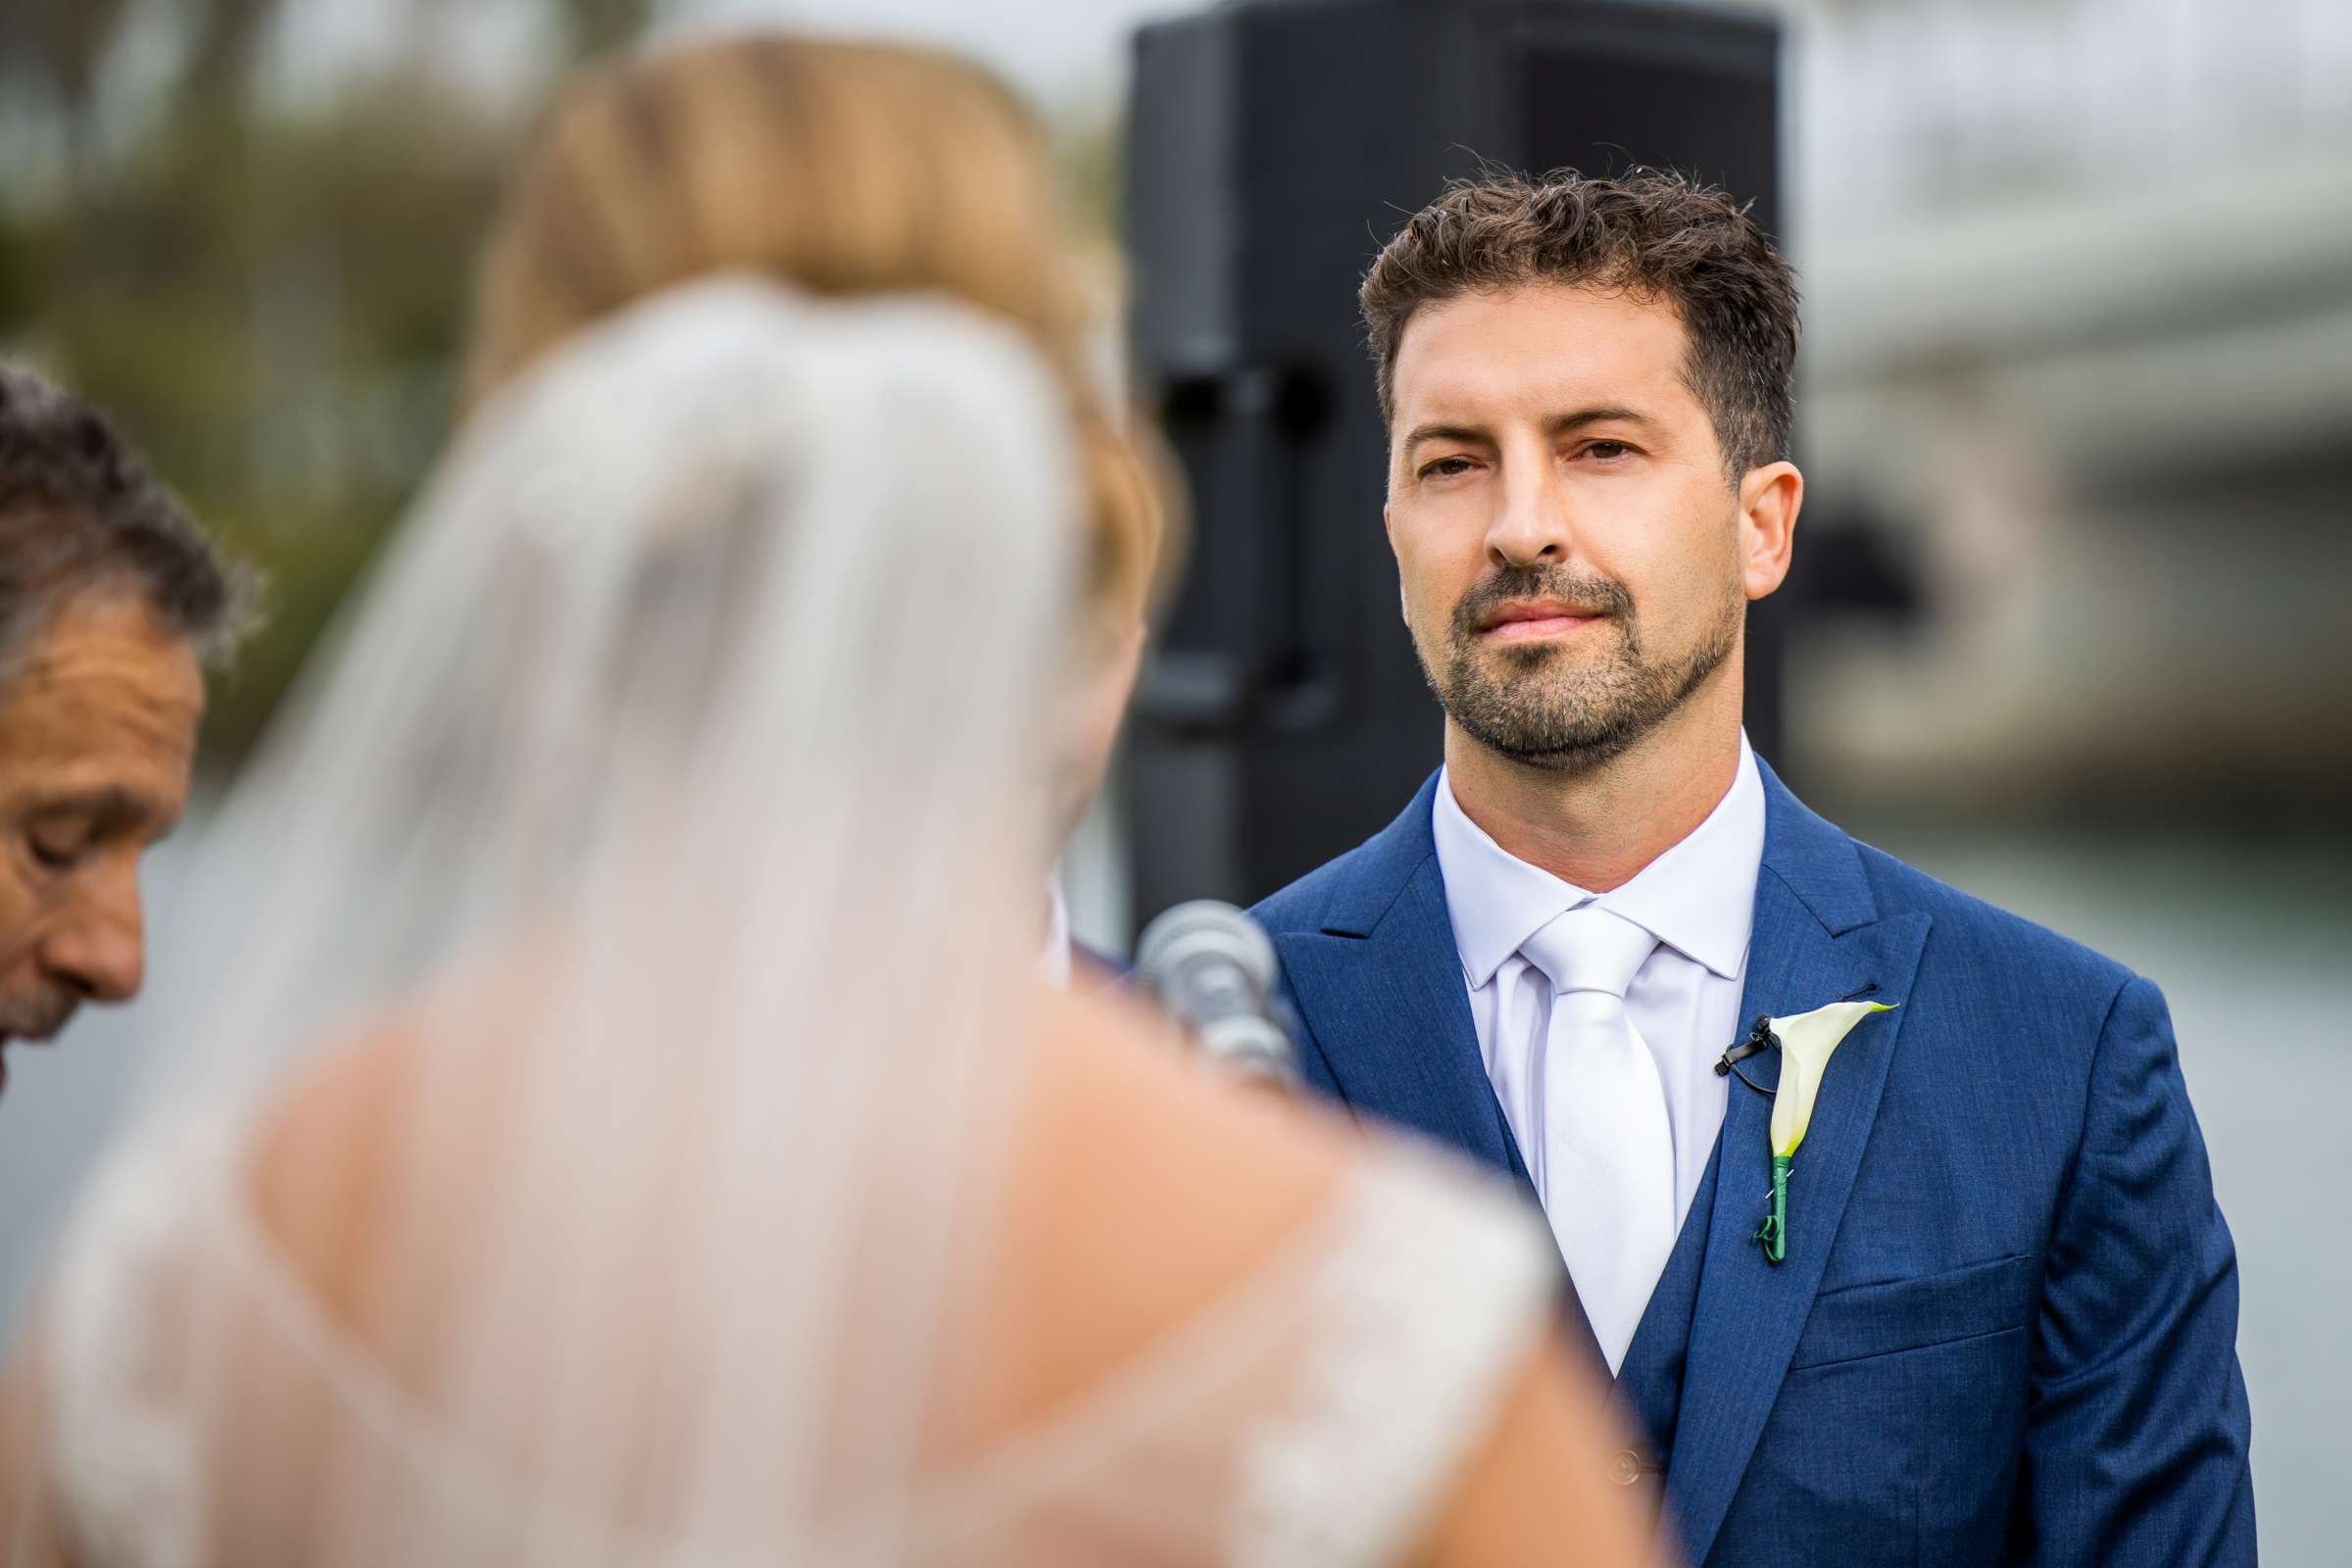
2001	1323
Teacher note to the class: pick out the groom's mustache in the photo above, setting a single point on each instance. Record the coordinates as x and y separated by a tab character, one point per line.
1581	595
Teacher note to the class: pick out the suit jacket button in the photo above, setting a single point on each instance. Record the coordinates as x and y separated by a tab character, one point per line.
1624	1467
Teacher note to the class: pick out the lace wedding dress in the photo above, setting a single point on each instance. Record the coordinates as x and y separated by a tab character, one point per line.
1313	1415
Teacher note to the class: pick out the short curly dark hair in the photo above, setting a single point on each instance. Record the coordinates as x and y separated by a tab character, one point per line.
1653	233
78	513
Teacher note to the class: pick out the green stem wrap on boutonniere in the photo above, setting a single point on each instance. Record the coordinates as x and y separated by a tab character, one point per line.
1806	1041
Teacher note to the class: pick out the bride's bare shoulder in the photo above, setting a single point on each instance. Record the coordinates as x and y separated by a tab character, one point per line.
318	1157
1116	1089
1141	1189
362	1156
1146	1188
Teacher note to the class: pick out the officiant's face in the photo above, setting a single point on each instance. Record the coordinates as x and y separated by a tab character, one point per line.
98	723
1571	550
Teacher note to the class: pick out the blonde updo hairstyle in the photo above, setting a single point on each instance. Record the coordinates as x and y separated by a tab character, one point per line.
841	169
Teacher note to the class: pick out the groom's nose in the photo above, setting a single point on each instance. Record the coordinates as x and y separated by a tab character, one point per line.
1531	522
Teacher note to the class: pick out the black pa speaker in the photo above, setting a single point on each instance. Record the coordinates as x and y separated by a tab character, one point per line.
1273	146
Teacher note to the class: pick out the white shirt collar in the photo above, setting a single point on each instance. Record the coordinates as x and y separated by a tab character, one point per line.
1698	898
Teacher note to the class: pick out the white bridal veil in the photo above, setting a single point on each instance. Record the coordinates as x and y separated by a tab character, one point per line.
643	883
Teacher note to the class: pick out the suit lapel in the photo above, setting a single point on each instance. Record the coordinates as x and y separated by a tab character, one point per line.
1392	1016
1381	988
1816	939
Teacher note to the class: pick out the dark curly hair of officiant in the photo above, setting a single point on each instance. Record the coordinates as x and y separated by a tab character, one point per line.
80	513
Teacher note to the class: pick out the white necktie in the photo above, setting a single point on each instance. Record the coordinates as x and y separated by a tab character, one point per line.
1608	1148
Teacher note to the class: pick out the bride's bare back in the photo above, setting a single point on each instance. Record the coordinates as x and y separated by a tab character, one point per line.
1170	1356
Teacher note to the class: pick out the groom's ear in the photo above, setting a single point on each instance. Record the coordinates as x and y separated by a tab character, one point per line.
1770	498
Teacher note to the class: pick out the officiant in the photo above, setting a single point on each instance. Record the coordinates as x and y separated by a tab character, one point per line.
111	604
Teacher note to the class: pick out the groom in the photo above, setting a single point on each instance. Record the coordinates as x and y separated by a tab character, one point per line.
2003	1326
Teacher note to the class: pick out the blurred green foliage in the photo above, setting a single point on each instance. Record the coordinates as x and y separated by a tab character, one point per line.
266	288
267	299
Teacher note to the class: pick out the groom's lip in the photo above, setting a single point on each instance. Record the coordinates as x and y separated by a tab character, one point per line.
1524	619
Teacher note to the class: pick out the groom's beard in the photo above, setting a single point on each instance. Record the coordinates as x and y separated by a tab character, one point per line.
1561	707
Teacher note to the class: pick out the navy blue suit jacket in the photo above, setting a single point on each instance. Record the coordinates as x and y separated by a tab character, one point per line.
2006	1328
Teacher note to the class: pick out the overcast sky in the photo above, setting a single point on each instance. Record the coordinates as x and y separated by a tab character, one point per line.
1067	55
1064	52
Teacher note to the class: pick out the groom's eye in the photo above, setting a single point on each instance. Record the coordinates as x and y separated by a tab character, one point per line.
1444	468
1608	451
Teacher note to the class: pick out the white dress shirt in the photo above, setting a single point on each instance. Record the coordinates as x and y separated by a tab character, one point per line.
1697	898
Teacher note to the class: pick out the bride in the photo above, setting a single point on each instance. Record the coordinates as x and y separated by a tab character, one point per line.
614	1116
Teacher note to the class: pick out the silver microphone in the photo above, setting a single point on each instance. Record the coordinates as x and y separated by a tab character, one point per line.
1214	969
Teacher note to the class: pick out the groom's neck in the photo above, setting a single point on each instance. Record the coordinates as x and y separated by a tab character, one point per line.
1600	827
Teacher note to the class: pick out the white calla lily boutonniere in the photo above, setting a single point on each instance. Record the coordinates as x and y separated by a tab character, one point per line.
1806	1041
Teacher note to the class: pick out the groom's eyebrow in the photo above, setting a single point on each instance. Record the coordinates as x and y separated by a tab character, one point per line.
1598	414
1467	434
1559	424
